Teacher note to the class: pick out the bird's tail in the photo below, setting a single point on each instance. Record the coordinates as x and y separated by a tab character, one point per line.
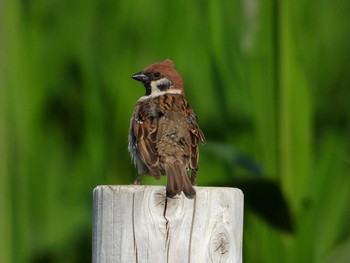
178	181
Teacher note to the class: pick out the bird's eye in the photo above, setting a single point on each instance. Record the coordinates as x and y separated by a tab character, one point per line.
156	74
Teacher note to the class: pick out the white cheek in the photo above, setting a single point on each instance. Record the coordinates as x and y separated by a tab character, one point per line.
155	92
154	88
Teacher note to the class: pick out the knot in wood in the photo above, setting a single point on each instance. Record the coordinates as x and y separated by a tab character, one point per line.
222	243
220	248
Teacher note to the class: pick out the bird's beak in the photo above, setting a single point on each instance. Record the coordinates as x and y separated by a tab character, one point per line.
140	77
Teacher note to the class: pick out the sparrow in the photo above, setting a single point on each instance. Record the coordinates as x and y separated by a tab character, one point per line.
164	132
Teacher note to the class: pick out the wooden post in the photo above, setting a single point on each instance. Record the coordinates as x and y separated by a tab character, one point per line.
138	224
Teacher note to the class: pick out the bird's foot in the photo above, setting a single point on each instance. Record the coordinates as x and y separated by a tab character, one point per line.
138	180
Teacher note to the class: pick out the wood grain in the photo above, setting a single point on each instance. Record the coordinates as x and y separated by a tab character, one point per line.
139	224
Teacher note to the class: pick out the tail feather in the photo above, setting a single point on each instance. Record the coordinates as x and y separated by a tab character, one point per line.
178	181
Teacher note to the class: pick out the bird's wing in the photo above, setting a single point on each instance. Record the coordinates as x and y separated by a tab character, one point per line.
145	130
196	136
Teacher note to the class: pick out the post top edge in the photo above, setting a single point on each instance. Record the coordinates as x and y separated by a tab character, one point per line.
145	187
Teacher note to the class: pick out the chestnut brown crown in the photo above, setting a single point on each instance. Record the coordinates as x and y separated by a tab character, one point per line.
161	77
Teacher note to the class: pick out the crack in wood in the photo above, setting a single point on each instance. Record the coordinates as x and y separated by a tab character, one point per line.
133	225
192	225
166	220
167	240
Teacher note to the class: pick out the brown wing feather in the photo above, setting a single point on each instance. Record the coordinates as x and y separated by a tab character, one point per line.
145	132
145	145
196	136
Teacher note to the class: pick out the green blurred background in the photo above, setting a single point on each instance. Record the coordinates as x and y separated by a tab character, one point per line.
269	80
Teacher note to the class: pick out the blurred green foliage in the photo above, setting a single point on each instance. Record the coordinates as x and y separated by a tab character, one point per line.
269	80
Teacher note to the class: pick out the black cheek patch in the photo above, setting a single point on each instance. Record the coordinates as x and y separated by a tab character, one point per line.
164	85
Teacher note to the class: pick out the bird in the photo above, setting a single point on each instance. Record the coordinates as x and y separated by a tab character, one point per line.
164	133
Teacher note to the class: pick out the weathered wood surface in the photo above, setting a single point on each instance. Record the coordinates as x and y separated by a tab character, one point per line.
138	224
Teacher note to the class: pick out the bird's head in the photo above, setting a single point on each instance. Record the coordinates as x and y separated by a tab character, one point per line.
160	78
